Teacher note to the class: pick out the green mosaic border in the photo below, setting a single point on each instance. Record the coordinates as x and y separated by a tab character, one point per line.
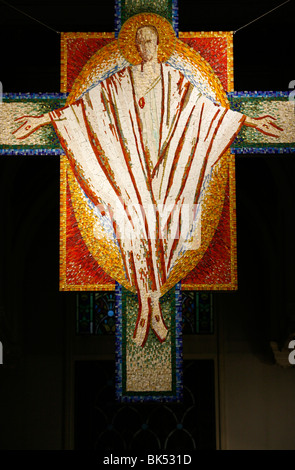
168	298
160	7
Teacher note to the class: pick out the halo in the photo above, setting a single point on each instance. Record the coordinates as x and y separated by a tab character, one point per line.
126	39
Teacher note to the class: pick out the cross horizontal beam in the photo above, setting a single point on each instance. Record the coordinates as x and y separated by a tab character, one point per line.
45	142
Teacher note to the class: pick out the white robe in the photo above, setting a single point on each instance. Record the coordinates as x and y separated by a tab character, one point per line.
144	160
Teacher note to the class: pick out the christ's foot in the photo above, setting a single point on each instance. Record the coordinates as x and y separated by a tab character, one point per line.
149	313
157	321
143	321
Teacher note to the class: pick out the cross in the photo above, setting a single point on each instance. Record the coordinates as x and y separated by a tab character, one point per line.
246	145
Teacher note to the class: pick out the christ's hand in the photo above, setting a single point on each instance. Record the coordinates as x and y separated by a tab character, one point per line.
30	124
265	125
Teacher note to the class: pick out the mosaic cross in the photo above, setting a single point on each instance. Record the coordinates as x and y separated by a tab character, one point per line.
147	126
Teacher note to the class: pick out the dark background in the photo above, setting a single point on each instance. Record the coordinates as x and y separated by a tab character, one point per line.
33	321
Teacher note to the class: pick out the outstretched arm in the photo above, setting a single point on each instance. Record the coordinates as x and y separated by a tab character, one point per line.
30	124
264	124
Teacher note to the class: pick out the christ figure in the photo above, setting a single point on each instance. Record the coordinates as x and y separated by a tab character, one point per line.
141	144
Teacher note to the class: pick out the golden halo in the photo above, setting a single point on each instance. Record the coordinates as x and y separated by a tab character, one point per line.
126	39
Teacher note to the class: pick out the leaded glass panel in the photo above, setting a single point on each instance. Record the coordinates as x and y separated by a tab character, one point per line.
96	313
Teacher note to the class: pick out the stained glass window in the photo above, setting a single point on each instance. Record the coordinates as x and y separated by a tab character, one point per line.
197	312
96	313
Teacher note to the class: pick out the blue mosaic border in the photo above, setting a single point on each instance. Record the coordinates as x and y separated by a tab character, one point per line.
234	150
262	150
230	95
258	94
15	152
233	94
118	342
118	22
178	342
178	396
34	96
175	17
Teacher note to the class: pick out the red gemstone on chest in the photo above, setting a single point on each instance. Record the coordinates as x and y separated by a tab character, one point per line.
141	102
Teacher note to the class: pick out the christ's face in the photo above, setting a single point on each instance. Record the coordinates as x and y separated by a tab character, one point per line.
147	43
